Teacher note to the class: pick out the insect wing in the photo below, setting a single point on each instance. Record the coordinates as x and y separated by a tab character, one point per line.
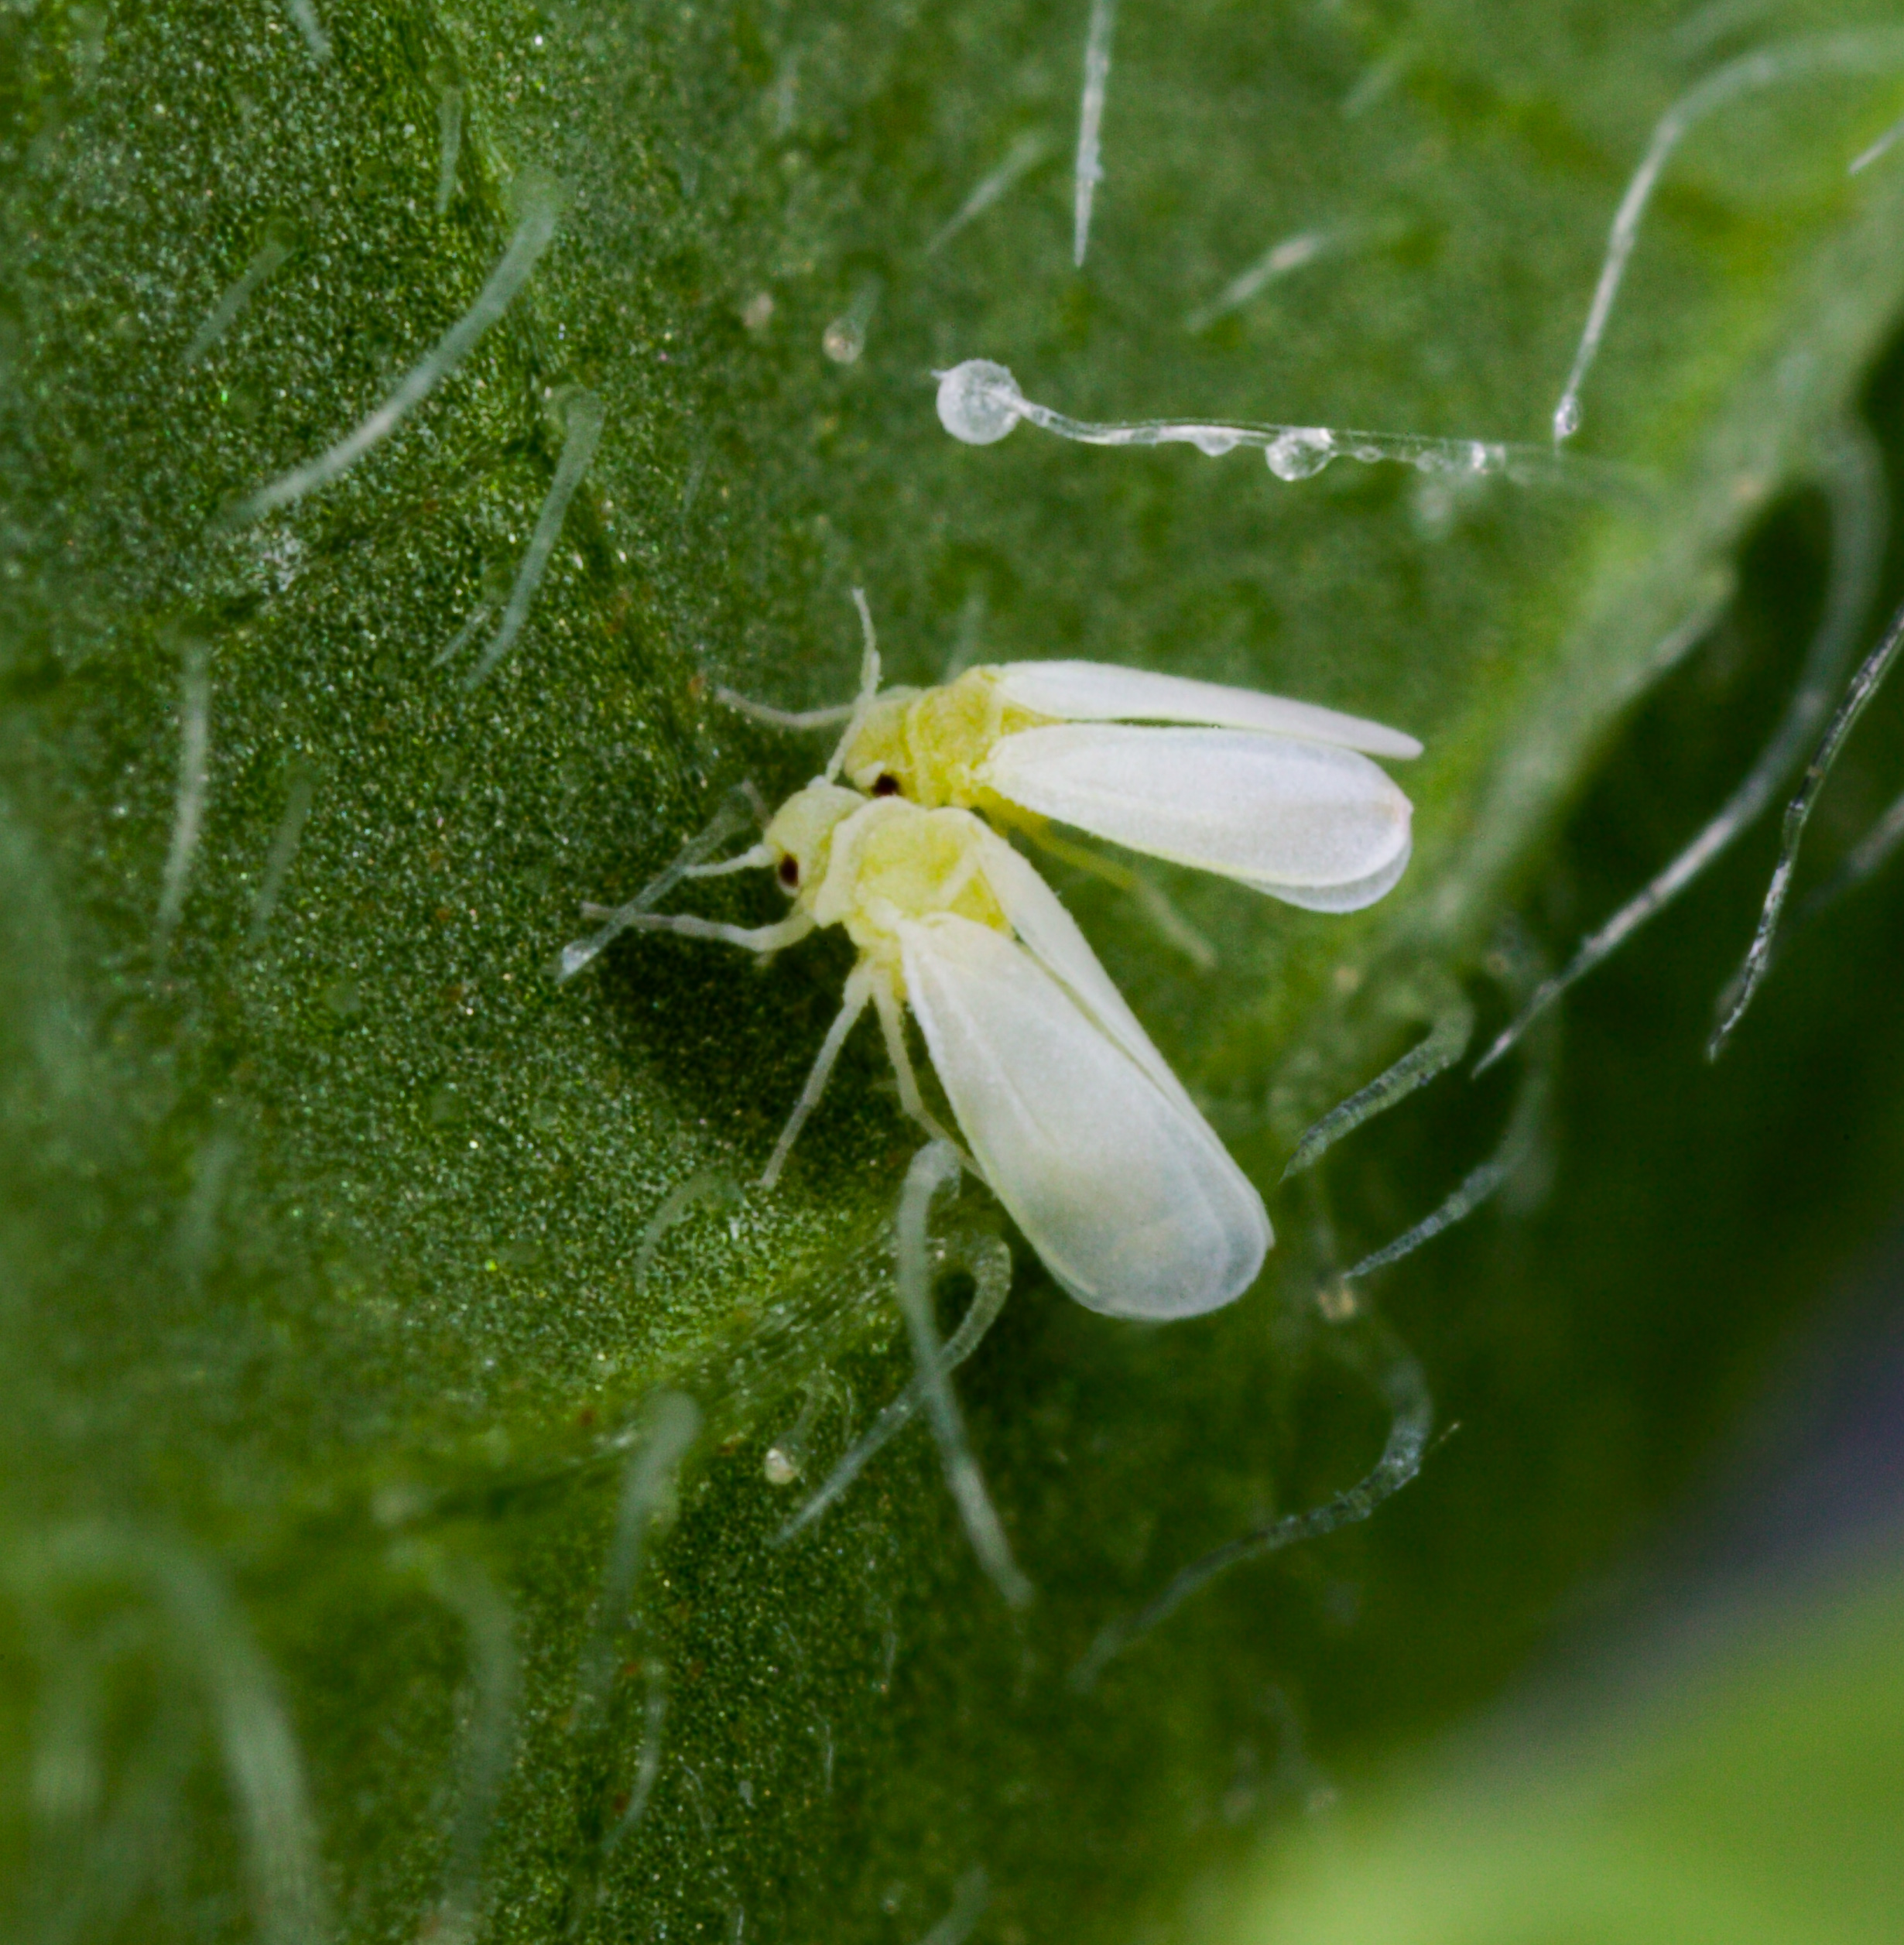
1130	1200
1350	896
1309	822
1099	692
1051	935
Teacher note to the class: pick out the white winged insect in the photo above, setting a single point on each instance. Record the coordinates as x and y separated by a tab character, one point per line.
1280	796
1071	1116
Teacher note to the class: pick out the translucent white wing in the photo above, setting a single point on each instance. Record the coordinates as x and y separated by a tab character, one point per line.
1132	1202
1051	935
1309	822
1349	897
1099	692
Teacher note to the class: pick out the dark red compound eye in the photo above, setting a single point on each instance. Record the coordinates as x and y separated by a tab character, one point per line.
789	873
886	784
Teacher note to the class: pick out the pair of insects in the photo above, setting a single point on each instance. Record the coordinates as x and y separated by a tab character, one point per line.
1070	1114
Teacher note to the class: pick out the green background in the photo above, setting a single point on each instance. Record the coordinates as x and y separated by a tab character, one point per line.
324	1346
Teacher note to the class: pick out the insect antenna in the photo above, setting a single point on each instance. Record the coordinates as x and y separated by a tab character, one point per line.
868	685
735	814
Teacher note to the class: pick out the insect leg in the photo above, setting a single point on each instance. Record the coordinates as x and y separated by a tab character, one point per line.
750	938
1151	900
740	809
859	990
892	1028
774	718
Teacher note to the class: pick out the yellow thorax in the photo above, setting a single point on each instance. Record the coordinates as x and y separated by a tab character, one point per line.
928	745
868	865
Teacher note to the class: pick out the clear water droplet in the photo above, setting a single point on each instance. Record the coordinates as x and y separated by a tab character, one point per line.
1567	417
979	401
844	340
1299	454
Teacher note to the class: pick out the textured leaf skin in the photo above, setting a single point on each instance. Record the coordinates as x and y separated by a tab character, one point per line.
320	1242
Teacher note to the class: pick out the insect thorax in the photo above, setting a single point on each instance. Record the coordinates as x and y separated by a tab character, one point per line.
932	744
891	861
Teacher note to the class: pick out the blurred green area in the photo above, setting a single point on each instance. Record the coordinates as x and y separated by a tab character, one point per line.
1749	1787
325	1349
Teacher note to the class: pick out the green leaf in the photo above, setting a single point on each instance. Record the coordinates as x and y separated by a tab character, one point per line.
1753	1796
334	1295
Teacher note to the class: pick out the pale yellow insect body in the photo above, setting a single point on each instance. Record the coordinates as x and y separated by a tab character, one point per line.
1278	795
1072	1116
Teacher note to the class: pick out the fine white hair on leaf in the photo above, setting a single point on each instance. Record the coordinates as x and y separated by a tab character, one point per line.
1380	78
188	811
704	1185
934	1167
1863	685
1445	1043
1526	1122
1865	858
270	257
1025	154
1854	480
979	402
647	1763
1291	254
196	1237
478	619
1700	31
990	1264
449	143
971	628
263	1768
299	798
583	421
1881	147
668	1425
470	1592
667	1428
844	339
1089	166
969	1897
1365	1343
1874	51
736	814
305	14
541	210
785	1460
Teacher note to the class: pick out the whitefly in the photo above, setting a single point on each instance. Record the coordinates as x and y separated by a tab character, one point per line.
1282	795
